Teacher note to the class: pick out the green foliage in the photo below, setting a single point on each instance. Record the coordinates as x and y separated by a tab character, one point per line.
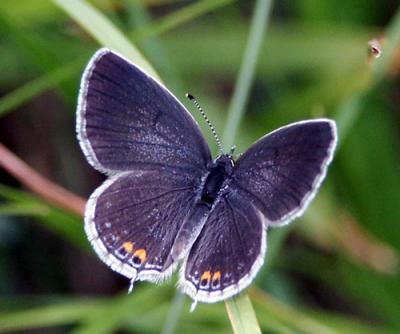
336	270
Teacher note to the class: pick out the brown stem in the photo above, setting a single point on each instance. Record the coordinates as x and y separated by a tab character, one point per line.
38	184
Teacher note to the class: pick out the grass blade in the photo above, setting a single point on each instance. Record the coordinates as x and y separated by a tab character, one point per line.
240	310
180	17
349	111
98	26
393	40
246	73
241	315
47	316
174	314
37	86
20	203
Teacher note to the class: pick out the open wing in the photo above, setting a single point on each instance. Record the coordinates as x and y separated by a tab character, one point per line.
228	252
133	218
281	172
128	121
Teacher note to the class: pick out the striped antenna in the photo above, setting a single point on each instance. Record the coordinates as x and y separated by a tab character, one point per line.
192	98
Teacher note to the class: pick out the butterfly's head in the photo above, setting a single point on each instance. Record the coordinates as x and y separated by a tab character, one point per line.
225	162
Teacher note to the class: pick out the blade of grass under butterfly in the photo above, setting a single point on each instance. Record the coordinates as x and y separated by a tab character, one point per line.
241	314
239	308
174	313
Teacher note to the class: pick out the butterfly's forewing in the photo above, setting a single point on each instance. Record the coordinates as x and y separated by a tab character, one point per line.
133	129
228	252
126	121
281	172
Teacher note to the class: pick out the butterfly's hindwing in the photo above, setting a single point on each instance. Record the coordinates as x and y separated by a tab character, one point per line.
228	252
282	171
128	121
133	218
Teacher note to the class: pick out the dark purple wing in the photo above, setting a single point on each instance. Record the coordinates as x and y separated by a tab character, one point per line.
133	218
281	172
228	252
128	121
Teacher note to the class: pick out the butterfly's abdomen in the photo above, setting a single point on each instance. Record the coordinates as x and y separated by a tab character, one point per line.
219	172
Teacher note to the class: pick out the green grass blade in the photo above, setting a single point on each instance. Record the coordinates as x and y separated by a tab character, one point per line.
48	316
241	315
132	307
98	26
37	86
179	17
295	319
392	42
174	313
349	111
347	114
240	310
28	209
21	203
35	51
246	73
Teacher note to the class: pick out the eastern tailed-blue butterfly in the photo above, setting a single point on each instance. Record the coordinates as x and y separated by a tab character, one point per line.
166	202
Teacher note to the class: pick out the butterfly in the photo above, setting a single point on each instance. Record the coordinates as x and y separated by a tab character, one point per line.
166	202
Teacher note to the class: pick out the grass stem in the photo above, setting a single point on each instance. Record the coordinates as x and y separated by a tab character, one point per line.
239	308
246	73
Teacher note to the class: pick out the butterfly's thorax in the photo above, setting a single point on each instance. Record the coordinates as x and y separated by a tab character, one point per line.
219	172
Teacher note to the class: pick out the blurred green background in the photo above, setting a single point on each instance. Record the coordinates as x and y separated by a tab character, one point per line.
336	270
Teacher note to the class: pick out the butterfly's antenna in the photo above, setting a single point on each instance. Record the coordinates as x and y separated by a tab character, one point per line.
193	99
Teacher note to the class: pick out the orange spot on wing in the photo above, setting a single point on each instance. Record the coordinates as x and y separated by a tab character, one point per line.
128	246
141	254
205	276
217	276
